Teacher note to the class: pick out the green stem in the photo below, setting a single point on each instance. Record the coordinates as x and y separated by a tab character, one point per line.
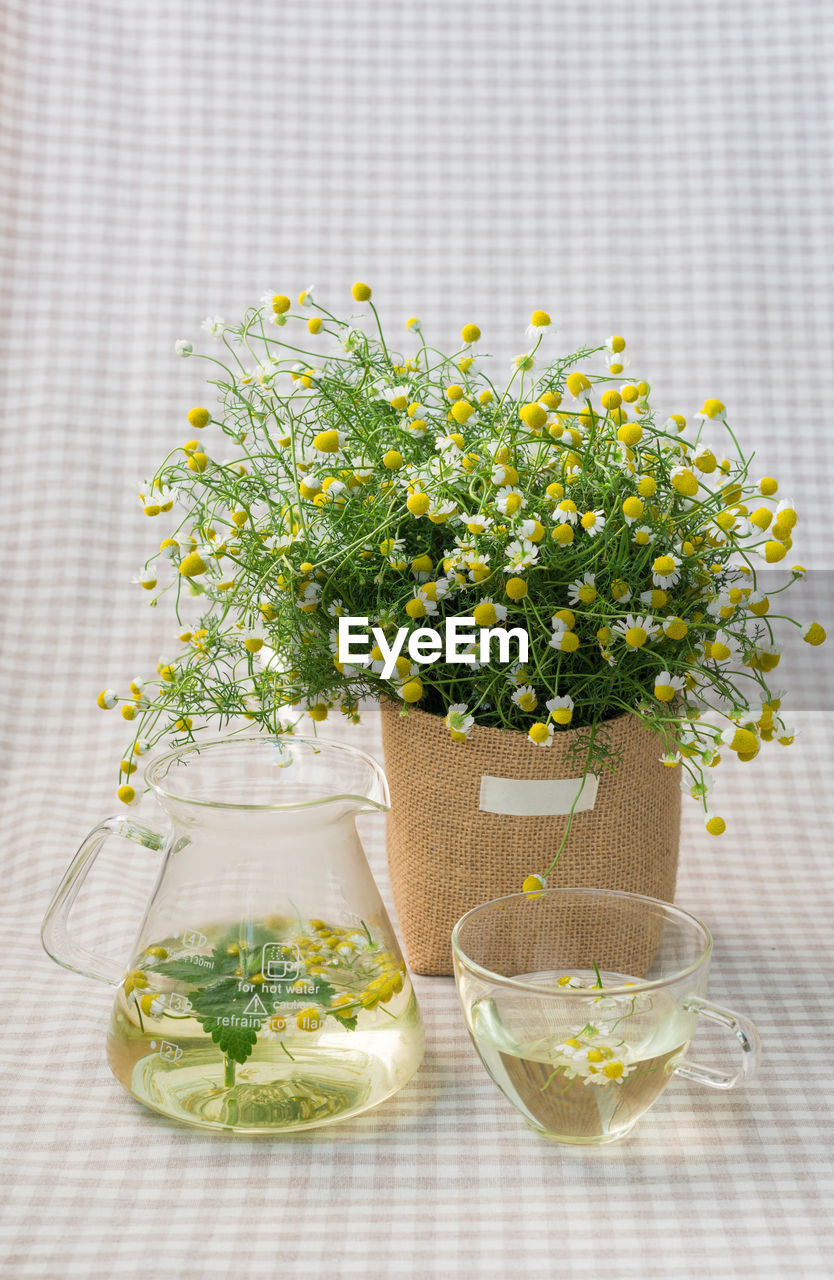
588	758
229	1068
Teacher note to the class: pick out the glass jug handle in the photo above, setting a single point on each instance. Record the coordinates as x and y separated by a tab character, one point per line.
745	1033
55	934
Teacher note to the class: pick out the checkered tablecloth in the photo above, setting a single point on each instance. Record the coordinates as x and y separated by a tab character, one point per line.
653	169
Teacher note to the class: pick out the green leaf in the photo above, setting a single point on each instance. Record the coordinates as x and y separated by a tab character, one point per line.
222	998
224	1011
235	1042
350	1023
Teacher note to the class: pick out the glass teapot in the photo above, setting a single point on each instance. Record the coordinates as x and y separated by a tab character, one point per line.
266	991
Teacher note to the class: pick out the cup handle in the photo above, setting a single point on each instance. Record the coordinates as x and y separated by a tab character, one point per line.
743	1030
55	934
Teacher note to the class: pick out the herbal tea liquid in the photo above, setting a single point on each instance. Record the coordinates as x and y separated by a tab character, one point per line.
265	1027
585	1073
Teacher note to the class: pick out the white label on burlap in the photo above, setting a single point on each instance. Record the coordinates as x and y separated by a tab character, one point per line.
533	797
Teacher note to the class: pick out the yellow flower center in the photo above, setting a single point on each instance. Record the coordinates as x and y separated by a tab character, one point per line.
484	614
577	383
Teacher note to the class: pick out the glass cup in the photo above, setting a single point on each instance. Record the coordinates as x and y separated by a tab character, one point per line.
582	1004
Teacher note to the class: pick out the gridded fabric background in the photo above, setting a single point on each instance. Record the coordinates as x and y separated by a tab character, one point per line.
657	170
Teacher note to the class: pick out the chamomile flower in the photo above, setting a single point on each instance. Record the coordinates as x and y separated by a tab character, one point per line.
214	325
146	577
539	323
486	613
712	409
635	629
509	500
564	640
305	298
517	675
613	1071
525	697
183	348
684	482
666	571
653	599
440	512
566	511
477	566
397	397
578	385
459	721
421	606
723	647
504	474
583	590
593	522
643	535
561	709
477	523
699	790
743	741
721	606
309	597
523	363
668	686
531	530
157	497
521	555
675	628
448	446
541	733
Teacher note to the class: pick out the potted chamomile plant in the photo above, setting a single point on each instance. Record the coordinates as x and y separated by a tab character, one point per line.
341	508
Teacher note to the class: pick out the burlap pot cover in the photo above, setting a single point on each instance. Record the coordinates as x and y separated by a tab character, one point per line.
447	853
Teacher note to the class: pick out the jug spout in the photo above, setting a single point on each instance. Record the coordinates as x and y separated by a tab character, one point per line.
376	797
